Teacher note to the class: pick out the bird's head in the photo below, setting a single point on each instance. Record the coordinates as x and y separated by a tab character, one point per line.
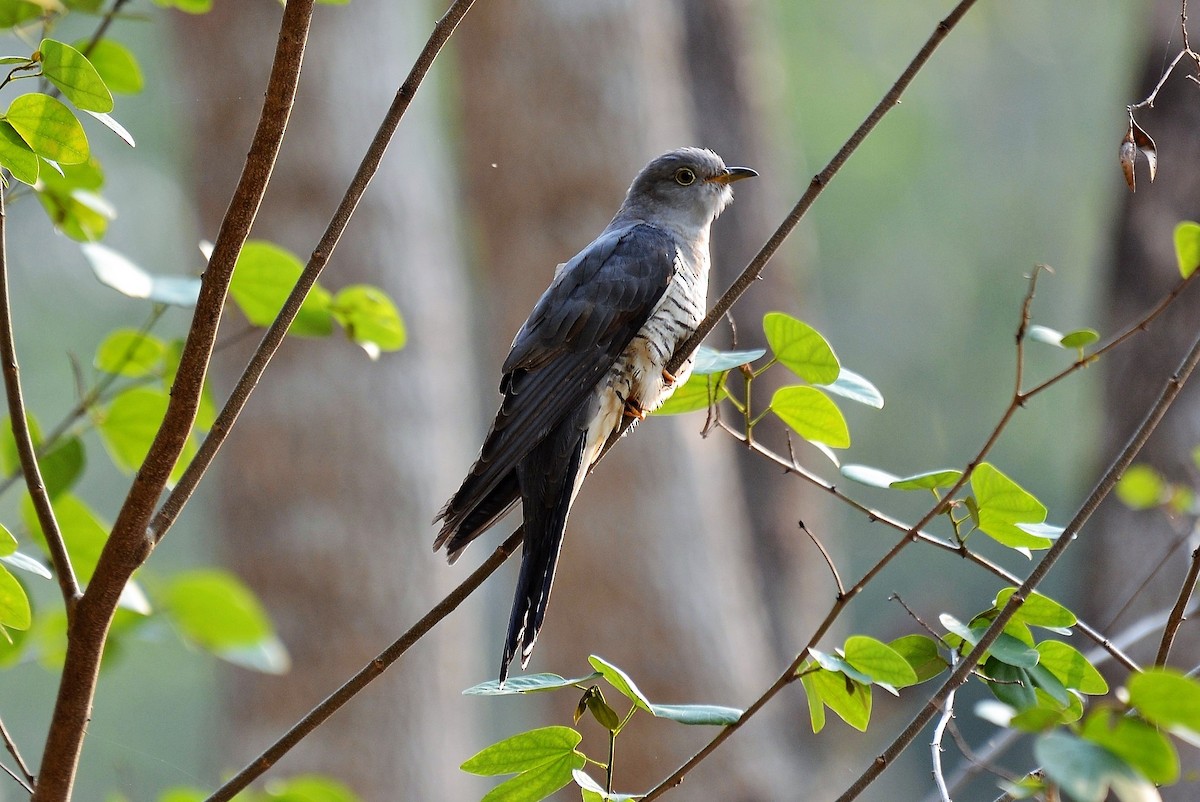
685	188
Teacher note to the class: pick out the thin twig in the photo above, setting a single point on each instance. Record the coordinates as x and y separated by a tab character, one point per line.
11	746
63	571
274	336
828	560
1175	620
935	746
368	673
128	546
102	28
17	778
957	677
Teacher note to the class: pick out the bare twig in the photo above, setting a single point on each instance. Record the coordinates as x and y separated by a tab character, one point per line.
1169	393
1175	620
935	746
63	571
102	28
17	778
128	546
368	672
828	560
11	746
274	336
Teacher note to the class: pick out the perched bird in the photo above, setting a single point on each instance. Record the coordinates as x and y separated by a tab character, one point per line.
593	351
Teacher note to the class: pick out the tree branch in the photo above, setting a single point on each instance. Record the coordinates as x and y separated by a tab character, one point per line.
367	673
958	676
28	782
63	571
320	257
128	545
1175	619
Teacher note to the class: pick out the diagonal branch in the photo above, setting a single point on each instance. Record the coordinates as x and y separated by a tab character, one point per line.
1175	619
128	546
320	257
367	673
26	779
63	571
957	677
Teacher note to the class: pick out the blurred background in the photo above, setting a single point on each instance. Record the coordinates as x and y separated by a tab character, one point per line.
684	563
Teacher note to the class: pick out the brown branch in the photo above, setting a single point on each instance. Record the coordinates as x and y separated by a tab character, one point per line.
128	545
367	673
102	28
63	571
1175	620
957	677
837	578
320	257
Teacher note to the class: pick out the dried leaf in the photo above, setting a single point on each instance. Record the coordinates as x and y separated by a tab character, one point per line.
1146	145
1128	154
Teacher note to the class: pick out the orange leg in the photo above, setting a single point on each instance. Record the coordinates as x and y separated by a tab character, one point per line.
668	377
632	410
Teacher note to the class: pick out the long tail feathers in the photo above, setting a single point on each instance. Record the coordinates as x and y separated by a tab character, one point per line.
545	522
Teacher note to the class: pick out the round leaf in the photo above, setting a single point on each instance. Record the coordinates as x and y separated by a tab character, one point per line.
696	393
128	352
1141	487
117	66
801	348
930	480
810	413
858	388
1137	743
1187	247
216	611
851	700
17	156
1082	769
921	653
75	77
370	318
1002	505
1166	698
14	604
262	280
49	128
1080	338
524	751
129	424
879	661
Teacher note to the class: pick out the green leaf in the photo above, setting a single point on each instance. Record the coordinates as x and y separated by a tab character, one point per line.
710	360
921	653
1010	684
72	200
1087	771
1167	698
712	715
851	700
1134	741
621	681
75	77
262	280
216	611
1141	487
538	783
1080	338
1005	648
879	661
851	385
527	683
816	708
1071	667
48	127
1047	712
129	423
117	66
1187	247
8	543
1038	610
1002	505
696	393
307	788
866	475
118	272
594	792
930	480
83	532
834	662
128	352
17	156
14	12
188	6
810	413
62	465
15	612
524	751
369	318
801	348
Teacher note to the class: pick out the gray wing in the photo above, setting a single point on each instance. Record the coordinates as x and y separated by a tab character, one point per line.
581	324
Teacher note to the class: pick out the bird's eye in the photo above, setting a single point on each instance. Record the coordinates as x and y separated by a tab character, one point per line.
684	177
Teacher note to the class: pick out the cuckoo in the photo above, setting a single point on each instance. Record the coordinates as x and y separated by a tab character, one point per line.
592	353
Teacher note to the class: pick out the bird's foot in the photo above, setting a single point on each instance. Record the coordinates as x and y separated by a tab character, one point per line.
668	377
632	410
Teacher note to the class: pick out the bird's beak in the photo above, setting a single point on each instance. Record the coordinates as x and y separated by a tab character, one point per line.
732	174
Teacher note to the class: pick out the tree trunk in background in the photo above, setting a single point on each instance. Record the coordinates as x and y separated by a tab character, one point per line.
563	103
1144	270
338	464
